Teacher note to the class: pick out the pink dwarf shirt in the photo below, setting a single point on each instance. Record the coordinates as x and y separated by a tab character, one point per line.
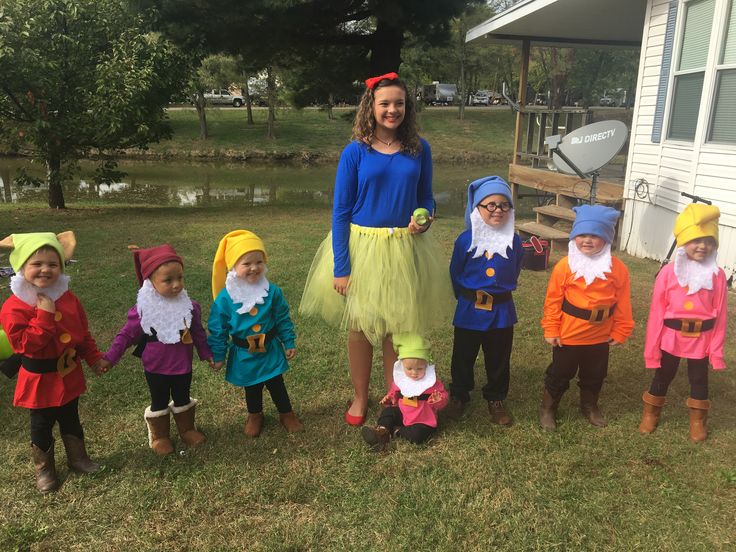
424	413
670	300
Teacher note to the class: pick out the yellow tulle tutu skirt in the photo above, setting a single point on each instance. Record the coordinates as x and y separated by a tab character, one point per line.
399	283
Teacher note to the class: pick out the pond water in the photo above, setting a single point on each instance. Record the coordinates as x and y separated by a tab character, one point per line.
174	183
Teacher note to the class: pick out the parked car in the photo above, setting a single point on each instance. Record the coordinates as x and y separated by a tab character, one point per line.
481	97
223	97
607	101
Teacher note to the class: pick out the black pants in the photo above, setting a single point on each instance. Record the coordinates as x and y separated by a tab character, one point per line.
163	386
589	362
392	418
276	387
697	374
43	420
496	343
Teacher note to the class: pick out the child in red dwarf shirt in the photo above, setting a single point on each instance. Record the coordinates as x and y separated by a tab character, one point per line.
413	400
47	326
587	309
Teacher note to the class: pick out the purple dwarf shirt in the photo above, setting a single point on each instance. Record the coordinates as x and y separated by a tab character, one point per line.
160	358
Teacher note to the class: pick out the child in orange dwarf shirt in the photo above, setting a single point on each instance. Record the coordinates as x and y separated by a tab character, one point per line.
587	309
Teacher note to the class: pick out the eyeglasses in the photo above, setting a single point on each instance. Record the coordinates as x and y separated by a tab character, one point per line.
491	206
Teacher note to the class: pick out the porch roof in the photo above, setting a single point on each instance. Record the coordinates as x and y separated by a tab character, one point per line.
567	23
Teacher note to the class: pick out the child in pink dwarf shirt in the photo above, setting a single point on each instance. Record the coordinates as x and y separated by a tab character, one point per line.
687	319
413	400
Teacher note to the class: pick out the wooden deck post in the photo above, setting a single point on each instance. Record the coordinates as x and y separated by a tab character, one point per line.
518	131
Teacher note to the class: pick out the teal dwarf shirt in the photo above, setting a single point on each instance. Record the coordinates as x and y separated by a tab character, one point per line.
246	368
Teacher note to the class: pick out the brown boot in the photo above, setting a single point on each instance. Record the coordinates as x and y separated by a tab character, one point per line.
698	419
76	455
548	411
377	437
46	479
652	409
184	418
499	414
589	408
291	422
454	409
253	424
159	428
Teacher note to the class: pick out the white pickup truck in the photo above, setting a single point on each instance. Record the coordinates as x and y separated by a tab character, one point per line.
223	97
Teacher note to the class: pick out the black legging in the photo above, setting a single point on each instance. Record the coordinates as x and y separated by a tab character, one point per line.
697	374
391	418
162	386
43	420
276	387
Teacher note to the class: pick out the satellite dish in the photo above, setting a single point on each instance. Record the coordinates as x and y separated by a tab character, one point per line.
587	149
590	147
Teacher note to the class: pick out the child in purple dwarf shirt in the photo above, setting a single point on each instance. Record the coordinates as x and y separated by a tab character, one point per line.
166	325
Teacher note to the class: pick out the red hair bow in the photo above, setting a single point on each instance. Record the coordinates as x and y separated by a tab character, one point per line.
373	81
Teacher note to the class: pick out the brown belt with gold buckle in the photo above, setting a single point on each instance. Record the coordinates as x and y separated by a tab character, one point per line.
690	327
484	300
255	343
596	315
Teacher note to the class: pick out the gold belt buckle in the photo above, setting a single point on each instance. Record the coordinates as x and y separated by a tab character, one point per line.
256	343
67	362
691	327
483	300
597	311
410	401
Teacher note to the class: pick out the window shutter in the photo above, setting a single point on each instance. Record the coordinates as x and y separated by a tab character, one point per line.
664	74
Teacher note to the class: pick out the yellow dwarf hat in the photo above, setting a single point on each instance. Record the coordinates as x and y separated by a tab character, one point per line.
233	246
697	221
25	245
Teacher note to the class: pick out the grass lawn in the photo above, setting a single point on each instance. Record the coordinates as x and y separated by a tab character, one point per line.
307	135
473	487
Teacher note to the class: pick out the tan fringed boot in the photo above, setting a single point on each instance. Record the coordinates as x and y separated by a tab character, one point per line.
253	425
698	419
291	423
184	418
159	431
652	410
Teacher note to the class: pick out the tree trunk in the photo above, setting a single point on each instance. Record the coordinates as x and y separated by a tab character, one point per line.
7	179
386	48
271	91
200	104
53	178
463	91
248	101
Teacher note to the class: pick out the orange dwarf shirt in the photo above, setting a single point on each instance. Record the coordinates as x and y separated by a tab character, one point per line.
615	289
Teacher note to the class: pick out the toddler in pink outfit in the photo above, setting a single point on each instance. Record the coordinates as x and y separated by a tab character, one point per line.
687	319
413	400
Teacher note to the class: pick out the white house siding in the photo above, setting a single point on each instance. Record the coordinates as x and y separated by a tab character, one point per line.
670	168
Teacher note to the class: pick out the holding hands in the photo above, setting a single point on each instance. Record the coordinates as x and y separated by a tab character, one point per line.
101	367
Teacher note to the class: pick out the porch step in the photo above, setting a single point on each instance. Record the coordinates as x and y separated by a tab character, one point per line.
556	212
527	229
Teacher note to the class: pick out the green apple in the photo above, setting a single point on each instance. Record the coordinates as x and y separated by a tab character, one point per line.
421	216
6	350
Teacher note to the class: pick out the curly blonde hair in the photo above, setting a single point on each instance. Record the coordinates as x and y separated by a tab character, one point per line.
364	126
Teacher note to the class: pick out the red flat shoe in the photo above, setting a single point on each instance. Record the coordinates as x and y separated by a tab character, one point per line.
353	420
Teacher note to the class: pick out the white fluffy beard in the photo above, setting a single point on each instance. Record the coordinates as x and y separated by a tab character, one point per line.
589	267
248	295
694	275
491	239
168	316
28	293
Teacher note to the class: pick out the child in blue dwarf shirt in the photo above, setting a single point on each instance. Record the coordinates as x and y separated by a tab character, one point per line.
484	269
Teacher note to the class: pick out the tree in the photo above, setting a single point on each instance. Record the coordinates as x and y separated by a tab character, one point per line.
81	75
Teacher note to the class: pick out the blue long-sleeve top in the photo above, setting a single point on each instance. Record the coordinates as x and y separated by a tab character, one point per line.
494	275
378	190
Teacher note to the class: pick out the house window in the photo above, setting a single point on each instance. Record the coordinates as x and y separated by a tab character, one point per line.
689	74
723	117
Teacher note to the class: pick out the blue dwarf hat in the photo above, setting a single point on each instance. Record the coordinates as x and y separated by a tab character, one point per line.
598	220
483	187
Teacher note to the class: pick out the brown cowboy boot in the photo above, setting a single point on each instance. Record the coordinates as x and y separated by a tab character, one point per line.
291	422
652	410
253	425
499	414
76	455
184	418
377	437
589	408
159	431
548	411
698	419
43	462
454	409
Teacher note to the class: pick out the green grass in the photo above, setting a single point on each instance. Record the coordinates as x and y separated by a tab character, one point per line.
308	136
474	487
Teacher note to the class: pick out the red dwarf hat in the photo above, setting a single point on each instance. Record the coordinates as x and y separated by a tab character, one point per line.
373	81
148	260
